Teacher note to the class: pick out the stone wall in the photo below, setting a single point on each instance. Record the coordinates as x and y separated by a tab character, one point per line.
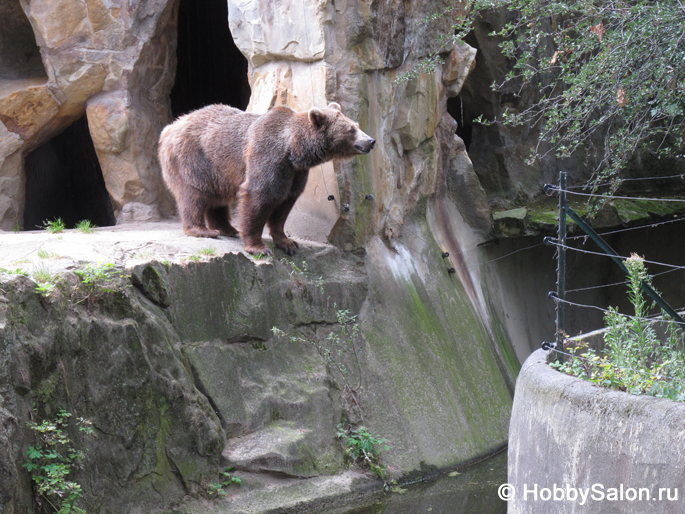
568	433
178	367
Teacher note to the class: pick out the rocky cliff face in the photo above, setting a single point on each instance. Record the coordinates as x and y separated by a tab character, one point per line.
178	365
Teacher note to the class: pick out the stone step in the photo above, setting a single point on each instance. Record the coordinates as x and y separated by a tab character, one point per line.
281	448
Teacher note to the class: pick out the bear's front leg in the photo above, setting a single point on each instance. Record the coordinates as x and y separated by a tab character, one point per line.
276	223
253	212
280	214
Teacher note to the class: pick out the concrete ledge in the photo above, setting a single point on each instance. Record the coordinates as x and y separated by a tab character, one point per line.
567	434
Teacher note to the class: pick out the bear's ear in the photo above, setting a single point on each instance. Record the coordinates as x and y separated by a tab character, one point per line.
335	106
316	117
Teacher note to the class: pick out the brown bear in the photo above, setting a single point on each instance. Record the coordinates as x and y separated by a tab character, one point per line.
218	154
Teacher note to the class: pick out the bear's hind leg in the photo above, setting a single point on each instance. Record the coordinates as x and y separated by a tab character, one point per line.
219	218
191	207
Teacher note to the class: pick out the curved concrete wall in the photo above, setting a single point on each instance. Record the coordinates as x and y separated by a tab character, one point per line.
575	447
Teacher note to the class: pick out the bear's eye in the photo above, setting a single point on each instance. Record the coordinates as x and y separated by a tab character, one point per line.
351	130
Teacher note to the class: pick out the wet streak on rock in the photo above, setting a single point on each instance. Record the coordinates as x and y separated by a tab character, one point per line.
390	30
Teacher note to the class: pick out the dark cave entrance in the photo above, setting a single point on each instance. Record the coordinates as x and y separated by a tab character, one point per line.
64	180
19	53
210	68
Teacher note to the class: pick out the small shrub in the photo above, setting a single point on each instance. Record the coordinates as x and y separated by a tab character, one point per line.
93	272
208	251
227	480
43	275
52	460
634	359
97	279
301	269
364	448
46	280
45	289
15	271
340	348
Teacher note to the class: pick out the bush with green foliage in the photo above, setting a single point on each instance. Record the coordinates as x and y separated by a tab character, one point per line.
365	448
52	460
606	75
634	359
609	70
338	349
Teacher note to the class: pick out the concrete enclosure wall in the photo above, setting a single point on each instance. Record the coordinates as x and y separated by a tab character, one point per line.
615	448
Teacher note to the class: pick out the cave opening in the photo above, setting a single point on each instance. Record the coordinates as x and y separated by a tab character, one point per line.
476	97
210	67
19	54
64	180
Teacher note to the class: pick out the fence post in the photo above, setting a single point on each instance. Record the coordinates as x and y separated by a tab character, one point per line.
561	263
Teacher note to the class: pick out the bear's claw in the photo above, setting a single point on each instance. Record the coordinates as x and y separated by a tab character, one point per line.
201	232
254	250
230	233
288	246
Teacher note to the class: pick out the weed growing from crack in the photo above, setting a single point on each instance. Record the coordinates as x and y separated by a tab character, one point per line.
97	279
364	448
85	226
55	226
227	480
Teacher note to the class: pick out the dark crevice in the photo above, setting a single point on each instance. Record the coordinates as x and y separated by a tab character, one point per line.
455	107
203	390
210	68
64	180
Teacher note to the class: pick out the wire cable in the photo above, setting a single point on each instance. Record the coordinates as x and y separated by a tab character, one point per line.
478	264
616	283
556	243
612	197
637	318
682	176
651	225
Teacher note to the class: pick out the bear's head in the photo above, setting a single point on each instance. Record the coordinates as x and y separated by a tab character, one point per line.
343	137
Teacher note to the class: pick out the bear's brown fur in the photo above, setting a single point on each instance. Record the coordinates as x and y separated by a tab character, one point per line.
216	155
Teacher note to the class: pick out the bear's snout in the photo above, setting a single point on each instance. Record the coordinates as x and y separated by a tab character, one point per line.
365	145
